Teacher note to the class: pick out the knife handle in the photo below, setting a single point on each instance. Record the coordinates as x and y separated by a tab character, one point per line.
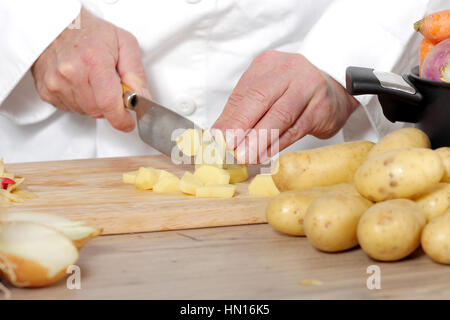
130	97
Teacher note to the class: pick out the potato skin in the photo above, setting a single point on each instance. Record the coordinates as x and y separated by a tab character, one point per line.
435	201
436	239
331	221
323	166
400	173
444	153
402	138
391	230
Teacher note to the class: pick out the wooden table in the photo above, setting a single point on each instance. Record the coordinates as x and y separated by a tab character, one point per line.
241	262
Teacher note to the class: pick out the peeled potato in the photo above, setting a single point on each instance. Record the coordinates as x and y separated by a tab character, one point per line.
435	201
216	191
165	174
189	142
129	177
436	239
33	255
167	185
146	178
210	175
189	183
78	232
263	185
238	173
444	153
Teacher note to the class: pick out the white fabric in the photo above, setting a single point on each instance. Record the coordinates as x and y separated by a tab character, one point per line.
196	51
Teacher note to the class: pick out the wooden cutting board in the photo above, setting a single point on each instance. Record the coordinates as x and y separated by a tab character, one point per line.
92	191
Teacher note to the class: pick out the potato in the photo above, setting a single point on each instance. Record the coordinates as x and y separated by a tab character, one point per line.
444	153
286	211
402	138
262	185
189	142
209	175
216	191
436	239
189	183
331	221
146	178
165	174
435	201
167	185
400	173
238	173
321	166
129	177
213	148
391	230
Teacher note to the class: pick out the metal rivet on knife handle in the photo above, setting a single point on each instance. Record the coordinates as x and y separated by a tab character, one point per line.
130	97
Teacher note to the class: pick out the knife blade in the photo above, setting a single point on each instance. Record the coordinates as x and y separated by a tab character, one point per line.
157	124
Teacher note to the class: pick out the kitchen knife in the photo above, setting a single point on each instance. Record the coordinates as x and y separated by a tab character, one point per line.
157	124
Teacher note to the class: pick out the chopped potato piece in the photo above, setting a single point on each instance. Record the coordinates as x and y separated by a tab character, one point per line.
189	142
209	175
263	185
189	183
216	191
165	174
129	177
167	185
146	178
238	173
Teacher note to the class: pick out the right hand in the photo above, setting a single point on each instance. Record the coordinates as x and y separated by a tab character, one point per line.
82	69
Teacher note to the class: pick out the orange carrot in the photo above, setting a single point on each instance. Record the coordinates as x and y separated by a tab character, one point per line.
425	46
435	26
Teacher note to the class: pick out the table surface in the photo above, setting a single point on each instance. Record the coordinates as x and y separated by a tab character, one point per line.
238	262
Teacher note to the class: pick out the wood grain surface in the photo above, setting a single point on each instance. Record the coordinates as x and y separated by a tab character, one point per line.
92	191
239	262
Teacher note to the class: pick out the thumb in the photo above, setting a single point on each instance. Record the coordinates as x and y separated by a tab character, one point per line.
129	63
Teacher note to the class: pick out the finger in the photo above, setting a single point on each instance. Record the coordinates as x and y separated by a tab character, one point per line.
107	90
129	65
76	74
61	90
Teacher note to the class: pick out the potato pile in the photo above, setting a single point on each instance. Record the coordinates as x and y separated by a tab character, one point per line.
388	198
12	187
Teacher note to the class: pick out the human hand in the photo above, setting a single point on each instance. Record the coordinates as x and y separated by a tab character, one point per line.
82	69
283	91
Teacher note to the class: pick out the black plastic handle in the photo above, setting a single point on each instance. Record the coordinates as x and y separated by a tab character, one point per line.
399	99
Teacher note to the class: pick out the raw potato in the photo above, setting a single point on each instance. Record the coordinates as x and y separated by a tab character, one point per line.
238	173
167	185
402	138
210	175
331	221
436	239
165	174
33	255
216	191
263	185
189	183
323	166
213	148
146	178
444	153
129	177
400	173
390	230
78	232
189	142
435	201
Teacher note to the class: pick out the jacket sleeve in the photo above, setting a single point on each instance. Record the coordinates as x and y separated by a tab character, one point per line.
28	27
374	34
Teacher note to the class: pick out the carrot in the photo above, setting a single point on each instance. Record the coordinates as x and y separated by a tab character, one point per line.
435	26
425	46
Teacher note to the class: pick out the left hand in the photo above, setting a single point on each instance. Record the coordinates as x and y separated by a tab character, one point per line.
284	91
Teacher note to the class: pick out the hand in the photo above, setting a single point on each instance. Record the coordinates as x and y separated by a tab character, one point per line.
284	91
82	69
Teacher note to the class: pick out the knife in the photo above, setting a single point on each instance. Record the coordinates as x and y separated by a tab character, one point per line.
156	124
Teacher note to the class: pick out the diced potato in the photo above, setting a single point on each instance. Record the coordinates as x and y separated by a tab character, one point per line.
189	183
238	173
165	174
209	175
129	177
216	191
189	142
263	185
213	148
167	185
146	178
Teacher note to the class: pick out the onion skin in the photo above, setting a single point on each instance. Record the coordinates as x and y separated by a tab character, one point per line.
437	63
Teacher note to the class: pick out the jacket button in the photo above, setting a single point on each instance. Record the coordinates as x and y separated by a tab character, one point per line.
186	106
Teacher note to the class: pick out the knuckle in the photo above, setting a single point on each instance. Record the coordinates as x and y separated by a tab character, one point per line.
67	70
294	61
283	116
91	56
257	95
52	83
235	98
240	121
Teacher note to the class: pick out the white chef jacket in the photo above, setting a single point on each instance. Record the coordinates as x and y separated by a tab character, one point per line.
194	52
